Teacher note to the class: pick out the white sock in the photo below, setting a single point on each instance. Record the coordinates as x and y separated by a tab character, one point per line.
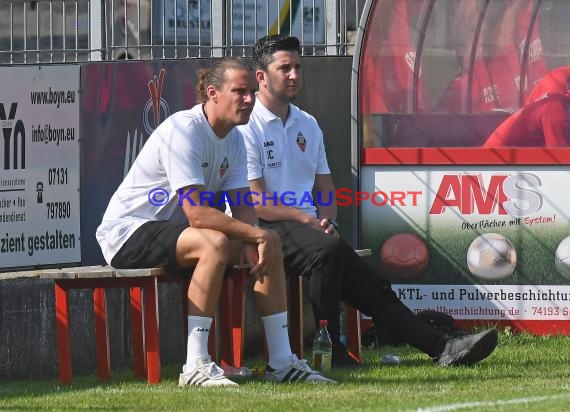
198	332
277	336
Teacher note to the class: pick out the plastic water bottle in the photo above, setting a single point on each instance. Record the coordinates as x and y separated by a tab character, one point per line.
322	349
241	372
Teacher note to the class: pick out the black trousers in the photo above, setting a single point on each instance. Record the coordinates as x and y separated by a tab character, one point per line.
336	273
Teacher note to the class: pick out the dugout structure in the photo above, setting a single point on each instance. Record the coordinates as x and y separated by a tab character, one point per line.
432	79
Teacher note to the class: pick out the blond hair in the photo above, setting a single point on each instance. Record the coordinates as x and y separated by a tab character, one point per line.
216	75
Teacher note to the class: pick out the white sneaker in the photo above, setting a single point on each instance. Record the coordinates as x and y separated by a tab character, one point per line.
297	371
206	373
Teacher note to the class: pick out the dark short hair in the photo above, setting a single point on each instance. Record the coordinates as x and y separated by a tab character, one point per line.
266	46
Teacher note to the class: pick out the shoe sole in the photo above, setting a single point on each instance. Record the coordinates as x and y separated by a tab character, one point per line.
182	384
479	351
223	385
274	379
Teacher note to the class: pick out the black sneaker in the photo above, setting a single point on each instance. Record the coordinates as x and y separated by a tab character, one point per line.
469	349
342	360
297	371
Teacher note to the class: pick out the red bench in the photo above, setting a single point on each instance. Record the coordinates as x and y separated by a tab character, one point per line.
143	285
227	350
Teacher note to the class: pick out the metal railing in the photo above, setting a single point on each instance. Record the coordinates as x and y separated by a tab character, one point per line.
56	31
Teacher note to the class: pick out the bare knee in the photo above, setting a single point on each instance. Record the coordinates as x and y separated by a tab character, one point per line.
210	245
216	245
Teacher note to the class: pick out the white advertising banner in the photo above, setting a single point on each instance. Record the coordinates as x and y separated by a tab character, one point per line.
488	242
39	180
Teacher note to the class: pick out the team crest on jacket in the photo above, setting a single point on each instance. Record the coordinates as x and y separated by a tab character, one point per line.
301	142
224	166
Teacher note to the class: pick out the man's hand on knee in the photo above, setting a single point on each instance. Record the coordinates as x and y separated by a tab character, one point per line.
268	254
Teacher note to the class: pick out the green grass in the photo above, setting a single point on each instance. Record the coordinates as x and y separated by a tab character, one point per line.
524	373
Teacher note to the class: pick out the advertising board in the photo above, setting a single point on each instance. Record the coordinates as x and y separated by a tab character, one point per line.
494	239
39	180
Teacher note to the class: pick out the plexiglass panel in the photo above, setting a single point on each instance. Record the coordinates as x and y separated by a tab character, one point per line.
449	73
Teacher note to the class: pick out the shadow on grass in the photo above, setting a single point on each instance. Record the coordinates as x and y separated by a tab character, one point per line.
80	383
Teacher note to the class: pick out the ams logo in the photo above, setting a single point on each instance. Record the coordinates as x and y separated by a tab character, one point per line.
512	195
14	134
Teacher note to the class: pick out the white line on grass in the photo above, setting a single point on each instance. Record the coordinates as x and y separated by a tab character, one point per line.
464	405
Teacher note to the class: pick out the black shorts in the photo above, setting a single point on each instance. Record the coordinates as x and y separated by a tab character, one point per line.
152	245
